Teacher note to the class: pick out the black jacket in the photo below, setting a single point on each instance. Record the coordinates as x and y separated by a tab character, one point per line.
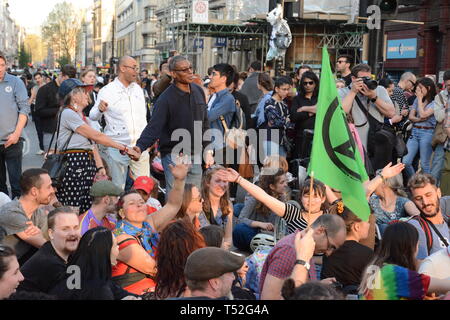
176	109
47	106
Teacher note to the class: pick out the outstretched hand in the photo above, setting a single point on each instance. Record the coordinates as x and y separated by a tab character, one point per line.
134	153
391	171
181	167
228	175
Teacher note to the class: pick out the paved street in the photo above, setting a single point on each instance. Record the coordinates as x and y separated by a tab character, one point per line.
31	146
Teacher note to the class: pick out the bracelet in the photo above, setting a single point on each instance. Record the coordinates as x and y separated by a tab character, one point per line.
382	177
100	168
238	180
124	151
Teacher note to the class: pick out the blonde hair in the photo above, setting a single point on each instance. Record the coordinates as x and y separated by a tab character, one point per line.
276	161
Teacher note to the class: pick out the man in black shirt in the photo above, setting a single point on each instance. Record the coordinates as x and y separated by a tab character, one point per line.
181	106
344	66
48	103
44	269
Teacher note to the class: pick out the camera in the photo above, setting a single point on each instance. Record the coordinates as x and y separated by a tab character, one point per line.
371	84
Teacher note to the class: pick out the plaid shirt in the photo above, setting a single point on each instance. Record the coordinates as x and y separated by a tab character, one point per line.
447	125
281	261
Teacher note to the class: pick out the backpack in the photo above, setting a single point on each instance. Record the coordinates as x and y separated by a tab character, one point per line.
425	224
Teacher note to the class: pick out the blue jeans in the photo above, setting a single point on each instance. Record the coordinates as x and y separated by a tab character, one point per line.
438	162
118	166
237	208
243	235
194	174
420	141
11	160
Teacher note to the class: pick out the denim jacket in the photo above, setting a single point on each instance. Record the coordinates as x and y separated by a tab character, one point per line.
224	105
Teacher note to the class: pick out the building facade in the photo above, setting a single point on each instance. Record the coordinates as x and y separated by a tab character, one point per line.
9	34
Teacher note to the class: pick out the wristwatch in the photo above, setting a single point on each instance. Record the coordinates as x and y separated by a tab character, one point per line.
303	263
374	99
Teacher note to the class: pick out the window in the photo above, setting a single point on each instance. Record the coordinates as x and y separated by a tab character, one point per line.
150	40
150	13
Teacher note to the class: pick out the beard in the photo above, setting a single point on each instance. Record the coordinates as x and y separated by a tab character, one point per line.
431	215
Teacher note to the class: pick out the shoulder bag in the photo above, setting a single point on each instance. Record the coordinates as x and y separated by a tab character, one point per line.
235	137
56	163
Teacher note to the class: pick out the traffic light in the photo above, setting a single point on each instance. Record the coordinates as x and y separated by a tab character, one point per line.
388	6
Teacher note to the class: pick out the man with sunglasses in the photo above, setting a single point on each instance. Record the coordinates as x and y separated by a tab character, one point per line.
122	103
181	106
329	233
403	91
343	66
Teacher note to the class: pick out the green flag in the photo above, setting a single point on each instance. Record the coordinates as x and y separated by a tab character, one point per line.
335	159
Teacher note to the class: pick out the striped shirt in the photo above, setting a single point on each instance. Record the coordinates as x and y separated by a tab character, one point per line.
294	219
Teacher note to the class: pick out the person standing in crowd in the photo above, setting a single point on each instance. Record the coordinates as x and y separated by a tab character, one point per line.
146	82
96	254
403	91
440	113
22	219
104	200
217	206
221	106
74	131
241	99
422	116
299	73
122	103
395	266
177	241
344	67
209	273
432	228
44	268
164	81
368	109
303	112
250	86
276	113
88	77
181	106
48	103
265	84
32	101
10	275
15	111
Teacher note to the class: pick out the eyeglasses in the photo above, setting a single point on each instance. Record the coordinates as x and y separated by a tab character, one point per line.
306	83
184	70
133	68
412	82
330	247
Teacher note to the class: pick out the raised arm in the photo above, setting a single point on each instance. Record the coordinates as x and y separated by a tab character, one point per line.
275	205
162	217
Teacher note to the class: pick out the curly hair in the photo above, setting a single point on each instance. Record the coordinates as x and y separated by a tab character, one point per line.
224	200
177	241
265	181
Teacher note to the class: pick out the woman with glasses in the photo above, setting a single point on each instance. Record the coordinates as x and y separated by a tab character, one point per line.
424	123
10	275
217	206
303	112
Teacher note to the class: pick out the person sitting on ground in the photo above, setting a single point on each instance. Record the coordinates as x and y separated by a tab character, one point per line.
43	271
10	275
217	206
347	263
209	273
213	235
96	253
192	205
23	220
255	217
395	268
105	196
177	241
137	235
144	186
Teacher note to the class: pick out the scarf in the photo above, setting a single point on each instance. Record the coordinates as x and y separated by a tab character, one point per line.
148	238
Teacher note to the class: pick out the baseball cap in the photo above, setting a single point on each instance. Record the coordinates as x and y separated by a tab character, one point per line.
68	85
105	188
144	183
211	262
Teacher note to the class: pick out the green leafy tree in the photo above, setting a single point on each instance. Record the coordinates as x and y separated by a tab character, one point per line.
61	29
63	61
24	57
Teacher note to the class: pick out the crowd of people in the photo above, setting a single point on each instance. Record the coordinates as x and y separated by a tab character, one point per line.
161	196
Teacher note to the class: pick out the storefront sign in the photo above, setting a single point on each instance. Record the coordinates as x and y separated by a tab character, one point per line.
200	12
402	49
220	42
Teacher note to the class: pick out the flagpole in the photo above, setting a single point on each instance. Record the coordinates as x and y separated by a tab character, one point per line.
311	190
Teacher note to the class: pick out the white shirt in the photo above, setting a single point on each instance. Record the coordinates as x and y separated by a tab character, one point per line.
126	116
437	265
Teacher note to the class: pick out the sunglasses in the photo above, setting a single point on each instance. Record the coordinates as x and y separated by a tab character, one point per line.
306	83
